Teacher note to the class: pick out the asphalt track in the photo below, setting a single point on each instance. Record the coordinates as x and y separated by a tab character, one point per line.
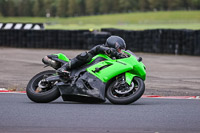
147	115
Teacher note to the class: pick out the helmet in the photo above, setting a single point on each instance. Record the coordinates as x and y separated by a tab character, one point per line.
115	42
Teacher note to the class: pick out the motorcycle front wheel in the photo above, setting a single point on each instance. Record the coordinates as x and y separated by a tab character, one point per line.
40	94
125	96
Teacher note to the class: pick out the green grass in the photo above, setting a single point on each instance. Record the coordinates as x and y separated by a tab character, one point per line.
128	21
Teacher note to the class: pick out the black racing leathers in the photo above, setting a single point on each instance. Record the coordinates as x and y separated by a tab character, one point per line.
86	57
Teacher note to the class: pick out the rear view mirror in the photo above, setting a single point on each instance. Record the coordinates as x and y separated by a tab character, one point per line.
140	59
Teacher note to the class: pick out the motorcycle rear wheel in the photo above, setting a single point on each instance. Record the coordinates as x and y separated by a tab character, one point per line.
51	93
130	96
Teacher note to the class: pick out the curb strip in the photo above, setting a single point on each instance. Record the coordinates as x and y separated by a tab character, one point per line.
3	90
171	97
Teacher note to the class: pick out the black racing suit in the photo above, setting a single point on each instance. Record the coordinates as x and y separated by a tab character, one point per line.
86	57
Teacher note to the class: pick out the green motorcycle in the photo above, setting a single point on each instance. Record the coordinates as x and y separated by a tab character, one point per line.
121	81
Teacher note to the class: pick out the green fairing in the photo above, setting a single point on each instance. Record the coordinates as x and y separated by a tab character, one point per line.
61	56
100	55
111	68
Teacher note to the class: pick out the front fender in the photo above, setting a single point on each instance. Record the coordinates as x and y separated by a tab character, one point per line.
129	77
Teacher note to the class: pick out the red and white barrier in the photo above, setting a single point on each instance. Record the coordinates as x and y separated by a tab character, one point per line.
171	97
3	90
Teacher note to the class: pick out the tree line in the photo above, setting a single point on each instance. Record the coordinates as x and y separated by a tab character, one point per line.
70	8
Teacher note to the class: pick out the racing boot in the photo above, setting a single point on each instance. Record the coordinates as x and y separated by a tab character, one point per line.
62	71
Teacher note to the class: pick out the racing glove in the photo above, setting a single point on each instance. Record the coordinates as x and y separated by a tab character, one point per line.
113	53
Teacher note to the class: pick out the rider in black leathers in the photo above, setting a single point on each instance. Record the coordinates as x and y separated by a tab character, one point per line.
112	48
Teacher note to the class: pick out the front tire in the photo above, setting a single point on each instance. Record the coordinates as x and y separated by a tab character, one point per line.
51	93
129	97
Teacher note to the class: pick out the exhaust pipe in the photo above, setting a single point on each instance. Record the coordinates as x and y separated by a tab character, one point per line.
49	62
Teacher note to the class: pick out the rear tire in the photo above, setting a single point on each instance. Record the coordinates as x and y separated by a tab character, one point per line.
131	97
41	97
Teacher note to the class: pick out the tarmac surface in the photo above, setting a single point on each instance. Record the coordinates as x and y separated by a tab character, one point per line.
147	115
167	75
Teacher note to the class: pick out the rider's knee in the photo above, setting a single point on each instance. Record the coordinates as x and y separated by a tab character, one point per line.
84	57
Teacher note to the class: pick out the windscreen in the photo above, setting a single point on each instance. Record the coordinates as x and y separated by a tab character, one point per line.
131	54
